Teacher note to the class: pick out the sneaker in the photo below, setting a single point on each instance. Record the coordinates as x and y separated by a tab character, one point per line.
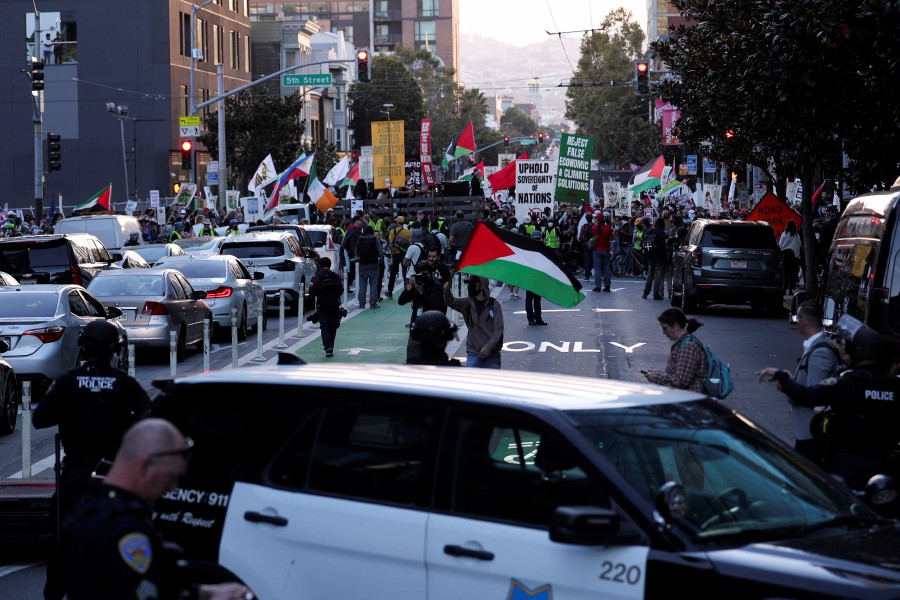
540	322
657	297
644	295
374	306
390	295
531	322
329	352
588	278
380	299
606	289
596	289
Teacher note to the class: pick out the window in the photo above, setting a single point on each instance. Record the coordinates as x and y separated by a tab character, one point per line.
178	292
369	453
76	305
184	47
425	33
234	50
512	471
428	8
202	38
95	307
185	285
218	45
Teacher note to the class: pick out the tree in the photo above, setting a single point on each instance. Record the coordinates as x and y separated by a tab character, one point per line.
515	123
797	83
256	124
601	99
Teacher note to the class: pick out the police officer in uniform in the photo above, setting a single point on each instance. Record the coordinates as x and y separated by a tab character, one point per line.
865	405
93	405
433	331
109	548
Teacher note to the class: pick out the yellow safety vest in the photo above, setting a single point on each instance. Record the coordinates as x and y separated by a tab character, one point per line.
638	239
529	229
551	238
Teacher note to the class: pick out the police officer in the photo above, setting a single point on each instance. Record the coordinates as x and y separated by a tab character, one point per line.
109	548
133	239
433	331
93	405
864	403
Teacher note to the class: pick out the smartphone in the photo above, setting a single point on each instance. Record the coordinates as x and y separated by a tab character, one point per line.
643	372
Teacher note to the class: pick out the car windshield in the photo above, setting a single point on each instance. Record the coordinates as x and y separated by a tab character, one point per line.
738	482
751	238
145	285
317	237
254	249
152	253
25	305
197	269
22	256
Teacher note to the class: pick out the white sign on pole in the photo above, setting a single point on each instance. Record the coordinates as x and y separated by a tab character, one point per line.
535	186
366	164
154	198
212	166
190	131
356	206
130	207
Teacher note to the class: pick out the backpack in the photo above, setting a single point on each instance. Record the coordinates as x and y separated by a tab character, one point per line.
328	290
401	244
718	383
430	240
367	250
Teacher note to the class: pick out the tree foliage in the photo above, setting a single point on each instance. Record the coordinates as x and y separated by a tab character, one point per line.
256	124
601	100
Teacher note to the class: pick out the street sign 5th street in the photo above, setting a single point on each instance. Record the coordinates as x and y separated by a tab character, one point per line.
306	79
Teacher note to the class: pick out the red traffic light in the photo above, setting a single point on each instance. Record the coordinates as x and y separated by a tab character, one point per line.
643	67
362	55
729	134
186	145
362	65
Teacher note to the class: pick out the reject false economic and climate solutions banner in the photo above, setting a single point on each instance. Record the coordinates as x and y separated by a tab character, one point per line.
573	171
388	152
535	184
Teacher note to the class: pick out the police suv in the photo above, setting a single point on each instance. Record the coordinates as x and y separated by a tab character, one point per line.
402	482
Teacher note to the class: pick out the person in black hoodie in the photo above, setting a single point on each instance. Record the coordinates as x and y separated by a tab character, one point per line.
326	288
432	330
425	294
654	245
368	255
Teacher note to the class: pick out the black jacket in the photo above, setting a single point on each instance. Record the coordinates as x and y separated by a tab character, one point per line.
431	298
327	289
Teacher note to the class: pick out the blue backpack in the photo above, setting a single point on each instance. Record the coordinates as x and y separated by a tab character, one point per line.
718	383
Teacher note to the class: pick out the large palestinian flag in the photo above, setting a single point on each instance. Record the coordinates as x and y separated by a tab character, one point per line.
514	259
99	201
462	144
649	176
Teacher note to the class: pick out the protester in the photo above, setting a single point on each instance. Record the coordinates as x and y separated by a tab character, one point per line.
484	319
686	367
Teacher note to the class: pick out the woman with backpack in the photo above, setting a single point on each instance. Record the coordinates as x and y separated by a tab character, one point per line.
686	368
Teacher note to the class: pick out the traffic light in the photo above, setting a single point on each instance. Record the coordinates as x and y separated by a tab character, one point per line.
729	134
37	75
176	187
641	77
506	141
54	152
186	147
362	66
540	137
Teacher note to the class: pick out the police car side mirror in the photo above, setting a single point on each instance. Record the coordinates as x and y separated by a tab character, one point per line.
113	312
583	525
828	312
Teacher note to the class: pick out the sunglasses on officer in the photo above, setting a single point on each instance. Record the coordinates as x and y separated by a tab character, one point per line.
185	452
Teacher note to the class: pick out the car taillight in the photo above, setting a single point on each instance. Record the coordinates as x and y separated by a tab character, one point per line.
223	291
287	265
47	334
152	308
697	258
76	276
330	244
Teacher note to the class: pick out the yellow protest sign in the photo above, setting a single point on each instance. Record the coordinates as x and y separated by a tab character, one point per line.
388	152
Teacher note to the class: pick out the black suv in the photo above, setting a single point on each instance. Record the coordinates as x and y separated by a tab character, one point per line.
728	262
58	258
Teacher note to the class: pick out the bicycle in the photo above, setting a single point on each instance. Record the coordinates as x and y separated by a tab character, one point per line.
627	262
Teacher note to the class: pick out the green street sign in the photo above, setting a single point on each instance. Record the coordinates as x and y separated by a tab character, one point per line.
306	80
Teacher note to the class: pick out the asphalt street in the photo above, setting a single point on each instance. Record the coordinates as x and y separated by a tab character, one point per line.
608	335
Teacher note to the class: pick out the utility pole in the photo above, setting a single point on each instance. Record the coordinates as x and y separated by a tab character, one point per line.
38	120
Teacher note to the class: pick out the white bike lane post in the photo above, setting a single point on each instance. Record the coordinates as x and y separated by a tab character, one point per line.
173	353
259	334
26	429
301	308
234	338
207	328
281	343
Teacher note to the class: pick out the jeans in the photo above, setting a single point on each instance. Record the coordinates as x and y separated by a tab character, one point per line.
602	268
473	359
368	282
655	270
588	261
395	268
328	325
532	306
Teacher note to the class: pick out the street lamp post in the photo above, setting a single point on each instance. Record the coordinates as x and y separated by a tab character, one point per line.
121	113
192	106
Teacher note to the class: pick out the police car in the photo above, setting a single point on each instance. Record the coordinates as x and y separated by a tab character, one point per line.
385	481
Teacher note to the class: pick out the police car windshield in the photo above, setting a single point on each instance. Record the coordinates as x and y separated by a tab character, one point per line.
737	481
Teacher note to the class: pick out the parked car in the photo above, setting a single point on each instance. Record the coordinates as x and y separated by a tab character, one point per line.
112	230
327	241
132	260
728	262
7	279
55	258
278	255
228	284
153	252
41	324
153	303
9	394
505	484
200	245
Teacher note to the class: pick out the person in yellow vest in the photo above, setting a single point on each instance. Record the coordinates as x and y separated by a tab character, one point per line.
529	226
176	232
398	240
638	234
551	236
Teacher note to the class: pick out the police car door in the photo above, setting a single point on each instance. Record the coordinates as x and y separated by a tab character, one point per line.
344	514
489	538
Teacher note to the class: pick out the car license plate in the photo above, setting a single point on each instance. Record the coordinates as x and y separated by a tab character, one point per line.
739	264
127	315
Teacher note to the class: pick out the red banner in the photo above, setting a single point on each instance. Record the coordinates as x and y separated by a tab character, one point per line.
425	153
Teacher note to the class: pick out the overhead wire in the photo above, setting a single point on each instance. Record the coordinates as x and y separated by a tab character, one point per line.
559	35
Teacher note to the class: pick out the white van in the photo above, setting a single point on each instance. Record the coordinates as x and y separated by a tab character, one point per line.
112	230
288	214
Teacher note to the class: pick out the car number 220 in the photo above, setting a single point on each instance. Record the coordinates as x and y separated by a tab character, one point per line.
620	573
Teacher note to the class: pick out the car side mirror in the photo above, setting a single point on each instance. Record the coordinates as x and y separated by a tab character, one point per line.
583	525
113	312
828	312
319	244
4	347
257	275
198	295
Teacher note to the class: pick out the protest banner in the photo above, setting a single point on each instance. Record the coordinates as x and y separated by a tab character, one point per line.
535	185
573	171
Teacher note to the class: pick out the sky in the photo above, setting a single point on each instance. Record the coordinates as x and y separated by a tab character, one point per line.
523	22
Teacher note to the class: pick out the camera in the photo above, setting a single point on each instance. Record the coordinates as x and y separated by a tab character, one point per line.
421	278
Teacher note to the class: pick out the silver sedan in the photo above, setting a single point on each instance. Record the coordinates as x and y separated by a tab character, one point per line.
227	284
154	303
41	324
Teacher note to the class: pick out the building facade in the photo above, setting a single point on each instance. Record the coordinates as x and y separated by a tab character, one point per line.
115	88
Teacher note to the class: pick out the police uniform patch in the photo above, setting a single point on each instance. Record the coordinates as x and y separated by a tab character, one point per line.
136	551
518	591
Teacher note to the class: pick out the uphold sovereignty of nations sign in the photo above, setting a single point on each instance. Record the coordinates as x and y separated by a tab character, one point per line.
573	171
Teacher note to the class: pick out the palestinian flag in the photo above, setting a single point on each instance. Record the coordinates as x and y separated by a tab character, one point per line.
100	200
586	209
462	144
352	177
512	258
477	169
649	176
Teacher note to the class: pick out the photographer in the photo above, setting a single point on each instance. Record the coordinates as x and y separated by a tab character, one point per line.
424	293
326	288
